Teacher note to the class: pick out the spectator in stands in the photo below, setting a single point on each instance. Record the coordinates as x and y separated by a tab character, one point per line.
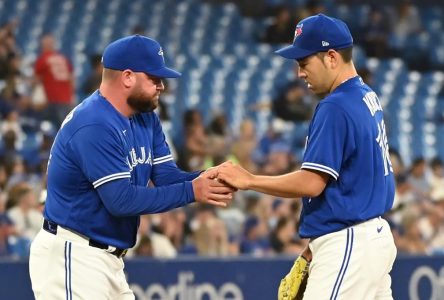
293	103
315	7
418	179
431	227
406	20
8	47
437	179
166	97
280	160
4	62
22	210
138	29
243	147
274	135
254	240
248	8
410	240
54	71
11	124
93	80
144	247
15	84
282	28
9	150
172	225
279	209
3	176
219	139
47	134
375	33
436	243
150	243
7	228
194	151
366	75
284	239
210	234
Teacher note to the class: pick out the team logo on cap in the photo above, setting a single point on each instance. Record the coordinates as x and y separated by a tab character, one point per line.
298	31
161	53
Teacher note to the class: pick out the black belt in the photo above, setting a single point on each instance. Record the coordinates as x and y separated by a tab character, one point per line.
51	227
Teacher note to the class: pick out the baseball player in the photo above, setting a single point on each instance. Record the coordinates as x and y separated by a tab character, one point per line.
346	178
109	148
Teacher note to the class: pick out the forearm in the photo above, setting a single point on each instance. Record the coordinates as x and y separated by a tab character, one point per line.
123	199
169	173
292	185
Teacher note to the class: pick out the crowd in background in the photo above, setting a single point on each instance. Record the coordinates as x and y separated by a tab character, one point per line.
256	224
382	33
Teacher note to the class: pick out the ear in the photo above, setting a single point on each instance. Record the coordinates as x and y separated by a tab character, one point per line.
128	78
332	58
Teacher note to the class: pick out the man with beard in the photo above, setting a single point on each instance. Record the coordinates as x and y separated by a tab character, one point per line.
110	164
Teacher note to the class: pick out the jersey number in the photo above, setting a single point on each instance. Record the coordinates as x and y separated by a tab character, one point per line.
382	142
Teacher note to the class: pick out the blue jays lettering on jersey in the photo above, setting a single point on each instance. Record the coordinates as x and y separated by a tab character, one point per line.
100	161
347	140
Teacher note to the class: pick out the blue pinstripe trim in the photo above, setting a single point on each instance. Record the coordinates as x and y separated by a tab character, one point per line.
68	289
70	272
66	270
345	261
348	260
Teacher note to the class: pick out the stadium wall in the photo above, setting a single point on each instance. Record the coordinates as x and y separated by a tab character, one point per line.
415	278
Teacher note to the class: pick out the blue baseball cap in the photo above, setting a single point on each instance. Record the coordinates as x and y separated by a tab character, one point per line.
317	34
138	54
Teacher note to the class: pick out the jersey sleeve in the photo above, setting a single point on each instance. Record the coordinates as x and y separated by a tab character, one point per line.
165	170
330	139
99	153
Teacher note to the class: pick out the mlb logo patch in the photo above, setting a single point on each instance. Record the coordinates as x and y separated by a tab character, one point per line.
298	31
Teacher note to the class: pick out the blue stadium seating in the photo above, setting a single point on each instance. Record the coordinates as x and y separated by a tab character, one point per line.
224	68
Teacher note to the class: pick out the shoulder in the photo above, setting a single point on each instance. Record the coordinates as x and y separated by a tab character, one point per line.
330	105
92	115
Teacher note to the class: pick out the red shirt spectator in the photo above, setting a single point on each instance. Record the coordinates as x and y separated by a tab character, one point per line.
55	73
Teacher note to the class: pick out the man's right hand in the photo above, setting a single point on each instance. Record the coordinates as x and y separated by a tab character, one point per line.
212	191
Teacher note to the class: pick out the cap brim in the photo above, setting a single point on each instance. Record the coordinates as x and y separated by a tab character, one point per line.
165	73
292	52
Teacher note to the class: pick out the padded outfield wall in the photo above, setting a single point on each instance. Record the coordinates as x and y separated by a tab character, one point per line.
231	279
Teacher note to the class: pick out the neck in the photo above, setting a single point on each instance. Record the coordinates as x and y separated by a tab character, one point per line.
347	71
117	99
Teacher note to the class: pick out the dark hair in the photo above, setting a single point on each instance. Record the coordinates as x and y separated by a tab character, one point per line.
346	53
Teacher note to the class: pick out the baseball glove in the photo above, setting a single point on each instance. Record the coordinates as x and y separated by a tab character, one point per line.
293	285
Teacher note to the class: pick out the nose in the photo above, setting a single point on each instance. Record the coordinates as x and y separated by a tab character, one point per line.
160	85
301	74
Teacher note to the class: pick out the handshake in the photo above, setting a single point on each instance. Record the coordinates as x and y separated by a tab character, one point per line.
217	185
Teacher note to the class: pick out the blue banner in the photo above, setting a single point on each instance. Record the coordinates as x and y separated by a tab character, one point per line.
415	278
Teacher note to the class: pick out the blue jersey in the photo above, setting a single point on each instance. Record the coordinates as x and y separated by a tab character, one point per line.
97	147
347	140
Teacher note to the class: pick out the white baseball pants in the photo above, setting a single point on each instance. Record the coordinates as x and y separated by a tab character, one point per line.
353	263
64	266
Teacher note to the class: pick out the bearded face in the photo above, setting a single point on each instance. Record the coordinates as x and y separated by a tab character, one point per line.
145	95
141	102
